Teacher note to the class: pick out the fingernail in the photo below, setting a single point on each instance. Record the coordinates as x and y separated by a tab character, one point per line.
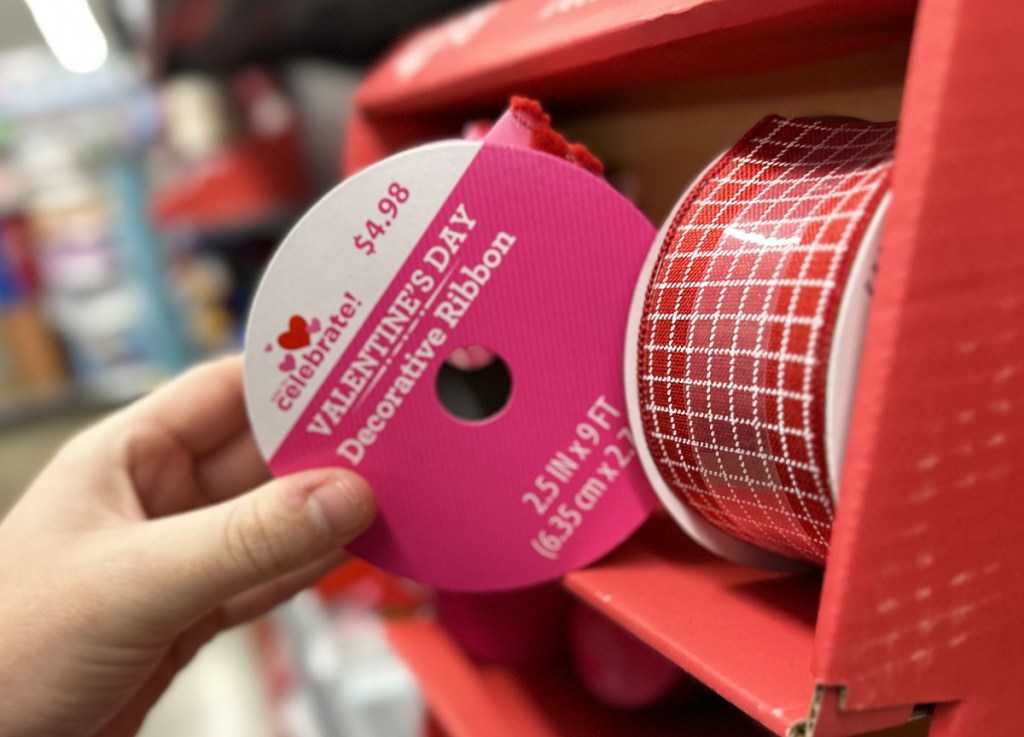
342	508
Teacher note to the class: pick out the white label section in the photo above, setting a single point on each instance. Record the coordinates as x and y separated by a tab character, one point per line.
319	262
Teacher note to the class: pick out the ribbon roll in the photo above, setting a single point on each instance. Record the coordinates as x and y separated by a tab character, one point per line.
743	379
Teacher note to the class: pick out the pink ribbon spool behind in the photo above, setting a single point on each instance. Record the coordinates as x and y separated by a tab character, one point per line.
734	331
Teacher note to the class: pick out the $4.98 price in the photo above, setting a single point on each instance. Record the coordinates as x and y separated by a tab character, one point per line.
388	206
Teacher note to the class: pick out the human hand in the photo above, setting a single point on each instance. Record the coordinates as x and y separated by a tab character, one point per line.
141	541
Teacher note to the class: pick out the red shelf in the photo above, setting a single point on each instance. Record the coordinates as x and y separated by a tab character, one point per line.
468	700
720	622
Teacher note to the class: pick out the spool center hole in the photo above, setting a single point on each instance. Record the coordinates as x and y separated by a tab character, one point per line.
474	383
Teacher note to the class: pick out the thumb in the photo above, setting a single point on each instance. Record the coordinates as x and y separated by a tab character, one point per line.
209	555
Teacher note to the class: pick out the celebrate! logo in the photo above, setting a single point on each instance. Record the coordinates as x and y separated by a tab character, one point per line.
297	336
307	343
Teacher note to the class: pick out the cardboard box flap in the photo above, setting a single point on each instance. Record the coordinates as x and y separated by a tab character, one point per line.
571	47
829	717
923	583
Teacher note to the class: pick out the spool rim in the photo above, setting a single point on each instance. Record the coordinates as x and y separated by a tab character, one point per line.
696	526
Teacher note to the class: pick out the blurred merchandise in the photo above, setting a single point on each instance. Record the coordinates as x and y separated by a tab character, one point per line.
226	34
74	190
107	343
297	716
347	680
619	670
8	378
230	180
358	581
523	627
197	119
328	665
69	215
32	369
142	254
205	285
19	259
11	182
36	89
324	95
234	157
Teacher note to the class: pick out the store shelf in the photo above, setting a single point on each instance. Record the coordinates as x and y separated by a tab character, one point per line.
720	622
469	700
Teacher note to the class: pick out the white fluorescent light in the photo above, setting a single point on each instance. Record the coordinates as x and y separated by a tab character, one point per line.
72	33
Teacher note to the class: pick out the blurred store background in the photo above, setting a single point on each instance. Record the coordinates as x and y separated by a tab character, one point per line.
152	154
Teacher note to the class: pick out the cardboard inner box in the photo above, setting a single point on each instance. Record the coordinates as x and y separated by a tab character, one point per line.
654	141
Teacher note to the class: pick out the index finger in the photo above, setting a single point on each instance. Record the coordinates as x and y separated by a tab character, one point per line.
203	408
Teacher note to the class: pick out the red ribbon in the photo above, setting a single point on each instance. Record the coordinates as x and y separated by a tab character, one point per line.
738	321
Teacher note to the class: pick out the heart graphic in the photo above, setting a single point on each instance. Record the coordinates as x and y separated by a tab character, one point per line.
314	325
297	335
268	348
288	363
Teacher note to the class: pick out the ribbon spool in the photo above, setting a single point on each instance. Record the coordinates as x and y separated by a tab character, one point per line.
453	245
745	332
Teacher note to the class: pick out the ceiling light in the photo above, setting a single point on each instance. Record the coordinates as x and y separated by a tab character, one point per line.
72	33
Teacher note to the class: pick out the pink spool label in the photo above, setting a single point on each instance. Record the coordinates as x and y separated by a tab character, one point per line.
444	247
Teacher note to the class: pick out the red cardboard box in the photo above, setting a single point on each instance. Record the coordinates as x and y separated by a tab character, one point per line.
919	605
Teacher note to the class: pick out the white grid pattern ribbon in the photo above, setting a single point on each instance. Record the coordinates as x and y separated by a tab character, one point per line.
738	320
